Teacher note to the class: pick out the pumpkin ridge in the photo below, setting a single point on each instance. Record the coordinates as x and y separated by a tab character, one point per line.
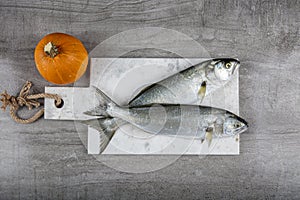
70	72
58	73
76	52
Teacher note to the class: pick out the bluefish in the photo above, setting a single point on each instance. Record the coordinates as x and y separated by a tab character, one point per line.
191	85
165	119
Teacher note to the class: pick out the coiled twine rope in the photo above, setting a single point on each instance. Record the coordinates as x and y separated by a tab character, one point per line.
28	100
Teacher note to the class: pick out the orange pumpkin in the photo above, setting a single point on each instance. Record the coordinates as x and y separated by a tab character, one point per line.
61	58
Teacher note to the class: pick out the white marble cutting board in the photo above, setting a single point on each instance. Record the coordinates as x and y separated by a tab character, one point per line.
122	79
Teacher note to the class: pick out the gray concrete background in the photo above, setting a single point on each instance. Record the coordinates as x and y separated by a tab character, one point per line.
46	160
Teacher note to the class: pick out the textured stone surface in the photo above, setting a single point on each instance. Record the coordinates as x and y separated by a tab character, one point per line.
47	159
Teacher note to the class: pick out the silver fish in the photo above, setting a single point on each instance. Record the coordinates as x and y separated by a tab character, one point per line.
164	119
191	85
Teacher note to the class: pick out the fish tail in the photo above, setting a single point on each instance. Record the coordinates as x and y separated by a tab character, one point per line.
106	128
105	105
106	124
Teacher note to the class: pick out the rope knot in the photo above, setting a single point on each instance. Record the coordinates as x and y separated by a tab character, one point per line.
24	99
21	101
8	100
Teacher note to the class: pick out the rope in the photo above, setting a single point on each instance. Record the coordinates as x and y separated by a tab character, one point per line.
25	99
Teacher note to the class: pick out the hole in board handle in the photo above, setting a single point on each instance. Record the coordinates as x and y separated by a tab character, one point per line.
60	105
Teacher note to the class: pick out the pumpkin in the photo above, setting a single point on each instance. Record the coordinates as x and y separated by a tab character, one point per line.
60	58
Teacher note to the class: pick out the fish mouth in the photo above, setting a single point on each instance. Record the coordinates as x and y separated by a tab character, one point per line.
241	130
236	66
231	114
243	121
236	131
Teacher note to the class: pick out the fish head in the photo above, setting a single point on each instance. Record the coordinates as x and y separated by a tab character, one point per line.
234	125
223	69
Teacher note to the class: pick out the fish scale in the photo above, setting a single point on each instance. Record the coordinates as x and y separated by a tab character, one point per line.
183	120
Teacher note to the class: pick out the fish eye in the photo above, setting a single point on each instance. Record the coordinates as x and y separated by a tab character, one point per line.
228	65
236	125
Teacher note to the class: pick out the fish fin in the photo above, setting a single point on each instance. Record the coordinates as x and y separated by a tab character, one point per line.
209	135
202	136
202	140
202	91
106	128
104	102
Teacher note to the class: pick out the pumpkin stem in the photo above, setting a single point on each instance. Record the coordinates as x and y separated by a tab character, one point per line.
51	49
